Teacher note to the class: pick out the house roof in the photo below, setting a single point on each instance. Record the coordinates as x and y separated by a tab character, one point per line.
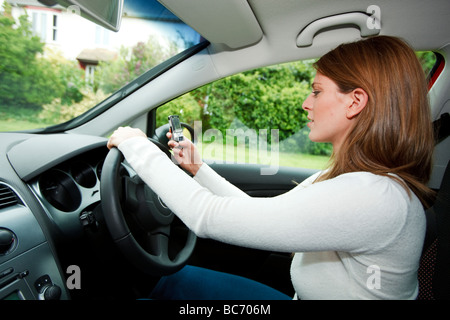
94	56
34	3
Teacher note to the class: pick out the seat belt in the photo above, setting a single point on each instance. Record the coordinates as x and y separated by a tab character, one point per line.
441	127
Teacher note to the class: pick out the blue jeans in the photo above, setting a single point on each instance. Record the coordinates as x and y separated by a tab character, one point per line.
195	283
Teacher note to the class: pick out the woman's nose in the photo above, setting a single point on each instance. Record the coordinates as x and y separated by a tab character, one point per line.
307	103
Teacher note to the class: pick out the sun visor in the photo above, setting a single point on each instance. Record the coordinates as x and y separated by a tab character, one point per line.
229	22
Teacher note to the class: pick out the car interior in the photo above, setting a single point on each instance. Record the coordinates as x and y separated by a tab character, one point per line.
64	196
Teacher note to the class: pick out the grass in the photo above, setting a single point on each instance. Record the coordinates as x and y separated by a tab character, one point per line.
215	152
17	125
301	160
17	119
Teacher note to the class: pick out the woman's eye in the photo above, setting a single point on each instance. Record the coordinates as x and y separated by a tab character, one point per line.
315	93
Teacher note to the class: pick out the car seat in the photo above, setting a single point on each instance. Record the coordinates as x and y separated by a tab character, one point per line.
434	270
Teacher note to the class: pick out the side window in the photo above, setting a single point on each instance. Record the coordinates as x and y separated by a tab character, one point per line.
427	59
253	117
257	117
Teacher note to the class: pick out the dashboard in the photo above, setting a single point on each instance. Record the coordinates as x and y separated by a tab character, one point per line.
70	191
49	192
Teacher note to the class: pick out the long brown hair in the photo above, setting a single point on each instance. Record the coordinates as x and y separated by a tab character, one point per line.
393	134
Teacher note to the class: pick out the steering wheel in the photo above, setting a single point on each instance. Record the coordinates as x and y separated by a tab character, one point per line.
145	210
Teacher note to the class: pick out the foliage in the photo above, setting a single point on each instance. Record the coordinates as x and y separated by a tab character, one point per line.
58	112
265	98
20	75
427	59
27	77
271	98
69	75
131	63
186	106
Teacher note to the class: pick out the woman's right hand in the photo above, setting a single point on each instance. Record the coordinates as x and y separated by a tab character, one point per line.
186	154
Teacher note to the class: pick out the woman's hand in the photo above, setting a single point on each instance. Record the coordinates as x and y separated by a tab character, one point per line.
186	154
122	134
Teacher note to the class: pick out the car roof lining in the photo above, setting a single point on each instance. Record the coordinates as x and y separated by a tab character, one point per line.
240	23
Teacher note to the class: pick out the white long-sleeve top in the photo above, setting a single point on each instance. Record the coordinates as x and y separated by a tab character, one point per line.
356	236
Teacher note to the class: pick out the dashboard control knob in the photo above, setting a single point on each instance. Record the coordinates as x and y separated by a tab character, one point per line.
6	241
52	292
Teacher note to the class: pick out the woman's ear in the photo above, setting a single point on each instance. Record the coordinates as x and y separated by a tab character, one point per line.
359	101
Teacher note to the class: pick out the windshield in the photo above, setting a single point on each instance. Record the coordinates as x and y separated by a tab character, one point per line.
56	65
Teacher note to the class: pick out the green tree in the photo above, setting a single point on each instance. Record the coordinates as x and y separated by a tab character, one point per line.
427	59
68	76
25	78
264	98
31	76
267	98
186	106
131	63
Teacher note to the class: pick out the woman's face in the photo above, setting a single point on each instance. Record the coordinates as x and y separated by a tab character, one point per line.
327	109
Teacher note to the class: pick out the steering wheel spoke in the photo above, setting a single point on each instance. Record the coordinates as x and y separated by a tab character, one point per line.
160	243
156	243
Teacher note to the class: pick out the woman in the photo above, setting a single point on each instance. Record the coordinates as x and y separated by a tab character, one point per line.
357	228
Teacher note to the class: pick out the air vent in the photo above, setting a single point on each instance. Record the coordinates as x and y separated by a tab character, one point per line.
8	197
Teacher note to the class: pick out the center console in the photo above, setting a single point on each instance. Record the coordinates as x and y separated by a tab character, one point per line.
28	268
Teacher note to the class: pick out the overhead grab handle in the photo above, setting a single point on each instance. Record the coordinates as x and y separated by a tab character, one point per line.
369	25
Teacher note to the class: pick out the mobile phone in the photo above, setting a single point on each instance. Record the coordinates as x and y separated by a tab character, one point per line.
176	129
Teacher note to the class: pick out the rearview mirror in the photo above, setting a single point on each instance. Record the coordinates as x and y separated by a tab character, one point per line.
107	13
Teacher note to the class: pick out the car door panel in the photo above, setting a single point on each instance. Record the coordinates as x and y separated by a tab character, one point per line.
249	178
